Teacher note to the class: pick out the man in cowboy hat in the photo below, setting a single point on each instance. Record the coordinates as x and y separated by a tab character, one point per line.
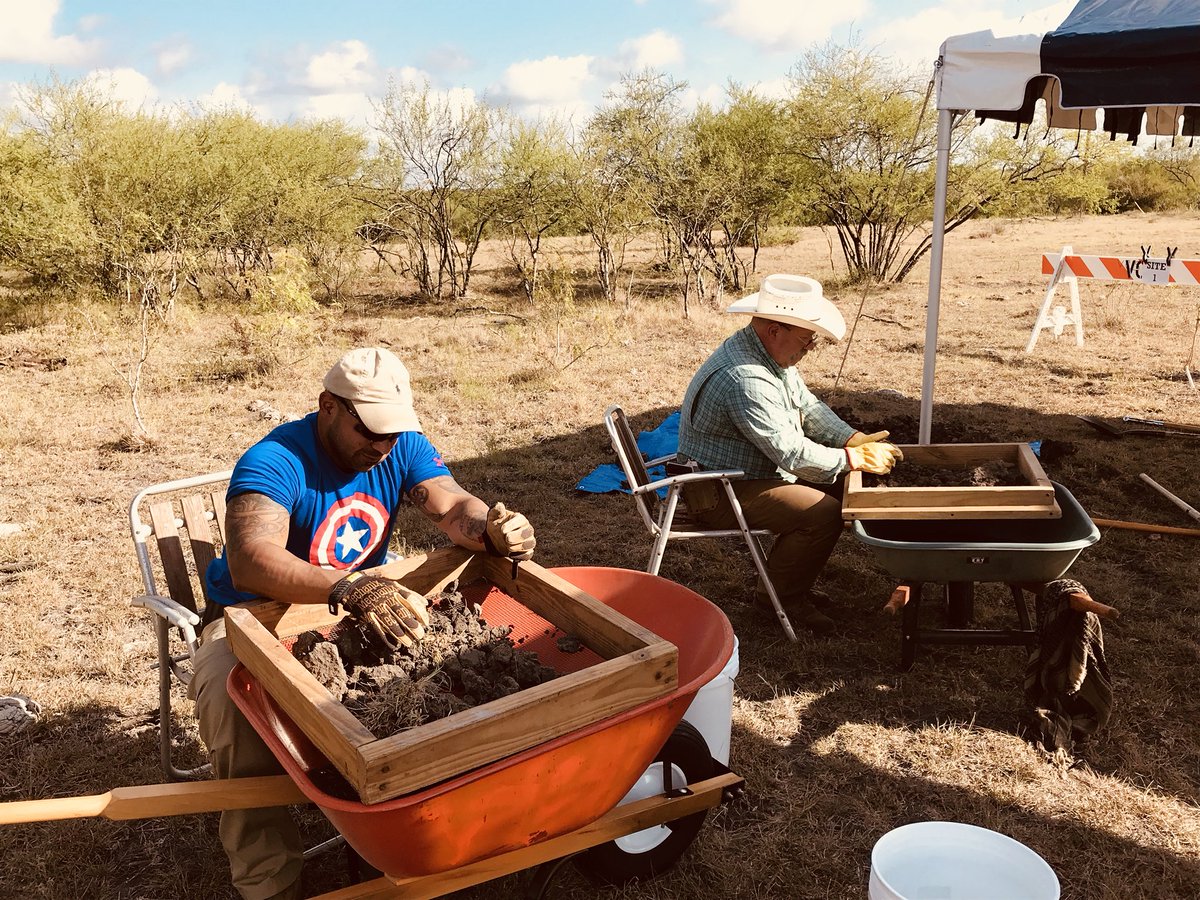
748	408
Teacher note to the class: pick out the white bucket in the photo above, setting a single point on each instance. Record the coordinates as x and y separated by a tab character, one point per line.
951	861
711	711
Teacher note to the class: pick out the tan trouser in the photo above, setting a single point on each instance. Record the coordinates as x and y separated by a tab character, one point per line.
263	845
806	520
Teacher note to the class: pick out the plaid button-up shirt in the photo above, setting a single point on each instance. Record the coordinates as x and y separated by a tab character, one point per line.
744	411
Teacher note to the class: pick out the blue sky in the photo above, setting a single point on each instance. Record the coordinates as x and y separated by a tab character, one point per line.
307	58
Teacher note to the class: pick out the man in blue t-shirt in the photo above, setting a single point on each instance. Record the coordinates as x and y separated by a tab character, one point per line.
307	506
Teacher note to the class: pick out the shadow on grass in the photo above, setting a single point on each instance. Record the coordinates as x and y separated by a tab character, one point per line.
818	803
1151	742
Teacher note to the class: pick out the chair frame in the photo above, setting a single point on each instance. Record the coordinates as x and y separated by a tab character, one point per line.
663	526
180	607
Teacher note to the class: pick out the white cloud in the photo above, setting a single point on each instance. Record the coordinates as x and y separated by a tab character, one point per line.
10	94
127	86
171	59
655	50
552	80
228	96
915	40
410	75
772	88
785	24
27	35
347	64
353	108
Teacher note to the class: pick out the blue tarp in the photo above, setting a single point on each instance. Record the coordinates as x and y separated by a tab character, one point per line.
660	441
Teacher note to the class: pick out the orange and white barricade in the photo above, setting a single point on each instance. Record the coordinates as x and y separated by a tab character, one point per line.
1069	267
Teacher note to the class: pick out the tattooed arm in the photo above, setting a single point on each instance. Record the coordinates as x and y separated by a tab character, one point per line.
256	549
459	513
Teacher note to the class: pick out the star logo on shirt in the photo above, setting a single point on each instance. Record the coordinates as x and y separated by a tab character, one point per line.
350	539
350	532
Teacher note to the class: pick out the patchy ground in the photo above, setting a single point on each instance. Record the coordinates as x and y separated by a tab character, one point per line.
836	745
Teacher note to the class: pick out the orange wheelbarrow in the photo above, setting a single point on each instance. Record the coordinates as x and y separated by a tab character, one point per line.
623	797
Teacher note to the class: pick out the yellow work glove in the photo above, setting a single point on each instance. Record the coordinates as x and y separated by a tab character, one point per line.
877	457
397	615
508	534
858	438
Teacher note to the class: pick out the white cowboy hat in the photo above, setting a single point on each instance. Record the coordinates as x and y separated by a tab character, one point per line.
794	300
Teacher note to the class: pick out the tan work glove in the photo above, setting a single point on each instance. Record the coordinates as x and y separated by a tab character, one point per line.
397	615
508	534
877	457
858	438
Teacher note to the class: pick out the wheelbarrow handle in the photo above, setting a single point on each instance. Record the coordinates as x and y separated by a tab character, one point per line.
148	800
1084	603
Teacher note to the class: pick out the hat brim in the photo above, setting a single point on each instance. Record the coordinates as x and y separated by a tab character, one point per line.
387	418
819	316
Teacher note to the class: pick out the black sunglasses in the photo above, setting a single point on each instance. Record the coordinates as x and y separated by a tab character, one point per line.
361	428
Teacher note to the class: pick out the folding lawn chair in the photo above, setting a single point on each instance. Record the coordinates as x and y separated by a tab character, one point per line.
668	518
186	519
191	508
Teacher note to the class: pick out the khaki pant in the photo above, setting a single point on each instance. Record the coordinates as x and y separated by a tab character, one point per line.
806	519
263	845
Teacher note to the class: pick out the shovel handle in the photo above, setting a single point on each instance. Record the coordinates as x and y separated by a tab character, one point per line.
1191	511
1142	526
1182	426
149	800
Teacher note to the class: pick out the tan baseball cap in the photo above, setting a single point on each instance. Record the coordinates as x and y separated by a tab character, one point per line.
376	382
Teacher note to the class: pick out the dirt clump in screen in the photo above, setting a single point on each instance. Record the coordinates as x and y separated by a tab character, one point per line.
993	474
462	662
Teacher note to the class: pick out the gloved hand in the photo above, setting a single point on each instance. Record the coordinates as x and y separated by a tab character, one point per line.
397	615
877	457
858	438
508	534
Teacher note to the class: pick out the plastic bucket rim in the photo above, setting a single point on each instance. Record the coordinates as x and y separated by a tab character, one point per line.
977	830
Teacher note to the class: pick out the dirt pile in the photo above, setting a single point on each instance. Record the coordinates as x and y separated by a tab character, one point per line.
461	663
994	474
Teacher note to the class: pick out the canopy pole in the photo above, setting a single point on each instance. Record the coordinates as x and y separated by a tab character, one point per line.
935	272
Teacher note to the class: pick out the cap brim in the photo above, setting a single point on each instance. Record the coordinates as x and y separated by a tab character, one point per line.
387	418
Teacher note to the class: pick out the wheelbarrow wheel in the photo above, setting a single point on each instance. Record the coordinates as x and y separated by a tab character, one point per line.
653	851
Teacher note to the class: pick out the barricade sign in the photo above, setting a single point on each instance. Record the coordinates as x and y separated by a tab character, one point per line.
1068	267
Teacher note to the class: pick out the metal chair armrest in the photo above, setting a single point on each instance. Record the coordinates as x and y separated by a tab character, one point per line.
689	478
660	460
176	615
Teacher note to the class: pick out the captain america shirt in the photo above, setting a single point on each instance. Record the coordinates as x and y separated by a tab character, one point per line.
339	520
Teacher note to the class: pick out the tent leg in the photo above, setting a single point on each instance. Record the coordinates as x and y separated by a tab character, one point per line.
938	239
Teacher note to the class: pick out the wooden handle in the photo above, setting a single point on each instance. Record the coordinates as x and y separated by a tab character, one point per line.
1182	426
1084	603
1191	511
149	800
1139	526
898	599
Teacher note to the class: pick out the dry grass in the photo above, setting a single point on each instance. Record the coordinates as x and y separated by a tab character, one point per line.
837	748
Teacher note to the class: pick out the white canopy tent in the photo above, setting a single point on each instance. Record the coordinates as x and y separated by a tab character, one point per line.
1135	59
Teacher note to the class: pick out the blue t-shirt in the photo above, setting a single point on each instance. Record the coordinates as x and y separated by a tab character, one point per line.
339	520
